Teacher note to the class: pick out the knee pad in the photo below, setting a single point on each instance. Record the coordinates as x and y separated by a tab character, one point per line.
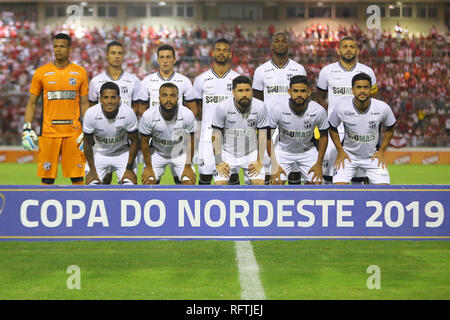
327	180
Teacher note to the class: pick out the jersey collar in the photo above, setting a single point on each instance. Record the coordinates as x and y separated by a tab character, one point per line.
357	110
342	67
109	76
274	64
168	79
220	77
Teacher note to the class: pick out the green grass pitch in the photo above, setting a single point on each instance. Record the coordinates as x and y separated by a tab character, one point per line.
207	270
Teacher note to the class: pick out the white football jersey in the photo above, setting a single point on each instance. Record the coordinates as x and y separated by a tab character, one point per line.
274	81
297	131
153	82
240	129
167	136
212	90
129	84
110	135
362	131
337	80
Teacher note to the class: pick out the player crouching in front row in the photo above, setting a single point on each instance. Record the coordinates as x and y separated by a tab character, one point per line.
362	117
112	127
168	126
239	135
296	120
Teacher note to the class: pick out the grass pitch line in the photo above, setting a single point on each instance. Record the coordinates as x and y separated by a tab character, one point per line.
251	287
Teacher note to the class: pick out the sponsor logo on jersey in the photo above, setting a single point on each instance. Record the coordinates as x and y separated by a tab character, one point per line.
215	98
49	73
240	133
61	95
74	73
110	140
277	89
342	91
362	138
167	142
297	134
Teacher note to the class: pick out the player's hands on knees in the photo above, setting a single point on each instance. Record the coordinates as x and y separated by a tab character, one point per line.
148	176
129	177
92	178
223	169
189	173
317	177
381	159
254	168
340	159
275	177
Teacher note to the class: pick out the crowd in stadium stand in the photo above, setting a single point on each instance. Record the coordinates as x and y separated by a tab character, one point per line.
412	72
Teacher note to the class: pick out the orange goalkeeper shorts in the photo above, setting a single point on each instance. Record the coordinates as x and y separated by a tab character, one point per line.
50	151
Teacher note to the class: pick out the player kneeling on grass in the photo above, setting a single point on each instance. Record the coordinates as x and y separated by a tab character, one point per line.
169	126
296	120
362	117
239	135
111	128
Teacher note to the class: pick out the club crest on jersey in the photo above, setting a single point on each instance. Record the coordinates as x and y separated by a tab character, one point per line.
124	90
72	81
229	86
372	125
308	125
251	123
46	166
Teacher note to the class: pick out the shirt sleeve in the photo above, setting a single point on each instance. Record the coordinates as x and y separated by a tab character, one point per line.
144	91
144	124
93	94
198	88
322	122
263	118
322	82
84	87
218	120
36	84
258	80
189	93
334	119
132	125
138	90
88	123
389	117
190	124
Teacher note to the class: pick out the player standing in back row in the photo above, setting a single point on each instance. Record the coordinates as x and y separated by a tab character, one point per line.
64	89
271	82
335	83
212	87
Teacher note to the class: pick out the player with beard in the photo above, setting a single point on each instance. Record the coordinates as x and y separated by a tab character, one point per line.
271	84
168	126
362	118
333	86
239	126
212	87
111	128
296	121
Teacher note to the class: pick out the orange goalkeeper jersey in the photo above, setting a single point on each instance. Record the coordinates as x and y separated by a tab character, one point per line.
61	90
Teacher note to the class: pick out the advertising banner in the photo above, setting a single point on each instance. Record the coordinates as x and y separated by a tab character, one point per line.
47	213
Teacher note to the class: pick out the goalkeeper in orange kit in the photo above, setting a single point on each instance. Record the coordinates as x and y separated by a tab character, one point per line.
64	89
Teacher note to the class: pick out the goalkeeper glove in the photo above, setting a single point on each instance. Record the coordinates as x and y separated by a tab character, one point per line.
29	137
80	141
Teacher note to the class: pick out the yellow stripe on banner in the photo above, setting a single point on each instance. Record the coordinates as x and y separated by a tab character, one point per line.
225	237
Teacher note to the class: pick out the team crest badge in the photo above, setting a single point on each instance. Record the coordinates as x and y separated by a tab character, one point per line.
229	86
372	125
72	81
47	166
308	125
251	123
124	90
